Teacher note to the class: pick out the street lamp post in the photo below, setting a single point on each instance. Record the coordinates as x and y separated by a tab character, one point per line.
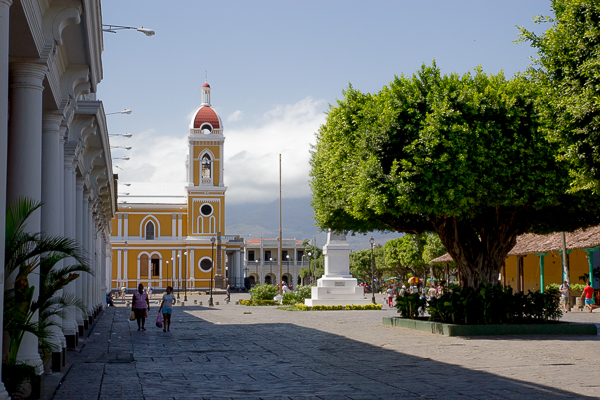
271	268
303	257
167	272
185	276
212	268
287	256
178	276
114	28
125	111
172	284
310	277
372	241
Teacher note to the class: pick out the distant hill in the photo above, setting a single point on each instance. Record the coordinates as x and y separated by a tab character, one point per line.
262	220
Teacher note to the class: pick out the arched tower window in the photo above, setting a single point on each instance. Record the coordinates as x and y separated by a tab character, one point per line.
206	166
150	230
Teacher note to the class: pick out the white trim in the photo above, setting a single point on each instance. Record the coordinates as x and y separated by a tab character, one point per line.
156	226
207	258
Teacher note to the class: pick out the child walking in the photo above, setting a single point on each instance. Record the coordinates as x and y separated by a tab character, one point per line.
167	308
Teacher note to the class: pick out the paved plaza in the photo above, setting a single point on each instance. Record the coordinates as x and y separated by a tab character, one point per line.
238	352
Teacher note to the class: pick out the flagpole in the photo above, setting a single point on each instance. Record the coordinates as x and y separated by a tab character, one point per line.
280	237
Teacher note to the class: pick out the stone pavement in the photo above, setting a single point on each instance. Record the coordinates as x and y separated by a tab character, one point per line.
238	352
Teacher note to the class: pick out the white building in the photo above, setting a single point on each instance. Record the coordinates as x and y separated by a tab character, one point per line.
54	144
261	264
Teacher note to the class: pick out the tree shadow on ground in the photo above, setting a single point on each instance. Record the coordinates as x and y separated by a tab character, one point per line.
201	359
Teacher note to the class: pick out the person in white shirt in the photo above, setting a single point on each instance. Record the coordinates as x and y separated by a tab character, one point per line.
286	289
167	308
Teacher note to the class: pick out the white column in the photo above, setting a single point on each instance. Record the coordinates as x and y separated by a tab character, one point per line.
192	267
25	168
179	273
173	263
125	268
85	241
109	263
119	276
173	226
90	240
69	323
53	199
126	226
190	165
119	222
79	226
4	35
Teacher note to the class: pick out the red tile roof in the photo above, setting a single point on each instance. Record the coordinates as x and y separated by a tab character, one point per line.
206	85
206	114
530	243
264	240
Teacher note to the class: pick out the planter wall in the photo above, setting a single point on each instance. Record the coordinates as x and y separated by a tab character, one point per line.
561	328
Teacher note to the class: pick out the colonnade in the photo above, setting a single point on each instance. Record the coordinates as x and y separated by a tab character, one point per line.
54	148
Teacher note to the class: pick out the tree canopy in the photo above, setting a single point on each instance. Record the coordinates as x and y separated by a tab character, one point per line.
463	156
568	67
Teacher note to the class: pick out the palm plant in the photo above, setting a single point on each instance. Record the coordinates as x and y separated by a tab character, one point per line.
28	253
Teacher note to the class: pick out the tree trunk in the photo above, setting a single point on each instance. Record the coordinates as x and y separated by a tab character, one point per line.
480	246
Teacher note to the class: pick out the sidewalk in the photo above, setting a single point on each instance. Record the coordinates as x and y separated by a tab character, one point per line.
239	352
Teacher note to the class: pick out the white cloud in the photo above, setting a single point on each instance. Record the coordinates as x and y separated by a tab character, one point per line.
155	157
251	154
235	116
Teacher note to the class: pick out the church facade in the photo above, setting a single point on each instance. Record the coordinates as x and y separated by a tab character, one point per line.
163	239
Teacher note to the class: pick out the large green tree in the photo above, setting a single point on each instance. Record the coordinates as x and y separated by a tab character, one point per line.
568	66
462	156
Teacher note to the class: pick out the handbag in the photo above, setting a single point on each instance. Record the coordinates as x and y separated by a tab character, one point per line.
159	323
132	316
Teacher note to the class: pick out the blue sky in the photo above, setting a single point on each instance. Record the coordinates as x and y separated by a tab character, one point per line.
274	66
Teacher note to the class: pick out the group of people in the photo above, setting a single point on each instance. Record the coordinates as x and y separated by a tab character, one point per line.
433	291
587	295
140	305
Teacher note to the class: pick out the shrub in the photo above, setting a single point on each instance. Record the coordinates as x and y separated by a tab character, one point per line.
408	305
492	305
302	306
577	287
289	298
263	292
253	302
302	292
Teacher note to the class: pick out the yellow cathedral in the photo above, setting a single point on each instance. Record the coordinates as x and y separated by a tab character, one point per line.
164	239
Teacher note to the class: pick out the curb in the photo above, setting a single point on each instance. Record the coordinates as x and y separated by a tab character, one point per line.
440	328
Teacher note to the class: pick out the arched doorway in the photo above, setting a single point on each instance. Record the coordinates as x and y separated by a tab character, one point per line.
268	280
252	280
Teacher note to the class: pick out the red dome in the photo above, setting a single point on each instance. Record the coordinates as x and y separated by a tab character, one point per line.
206	114
206	85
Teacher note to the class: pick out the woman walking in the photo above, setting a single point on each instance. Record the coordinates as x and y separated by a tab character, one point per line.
167	308
140	306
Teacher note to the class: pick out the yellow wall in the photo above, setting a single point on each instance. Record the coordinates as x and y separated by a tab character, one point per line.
552	269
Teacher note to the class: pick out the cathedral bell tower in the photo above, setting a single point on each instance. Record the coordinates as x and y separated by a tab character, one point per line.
205	190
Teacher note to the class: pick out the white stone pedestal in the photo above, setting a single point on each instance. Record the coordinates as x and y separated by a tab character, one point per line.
337	286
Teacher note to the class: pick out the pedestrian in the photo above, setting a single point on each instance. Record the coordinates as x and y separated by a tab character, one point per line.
228	298
564	290
166	306
109	300
390	295
588	292
140	306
